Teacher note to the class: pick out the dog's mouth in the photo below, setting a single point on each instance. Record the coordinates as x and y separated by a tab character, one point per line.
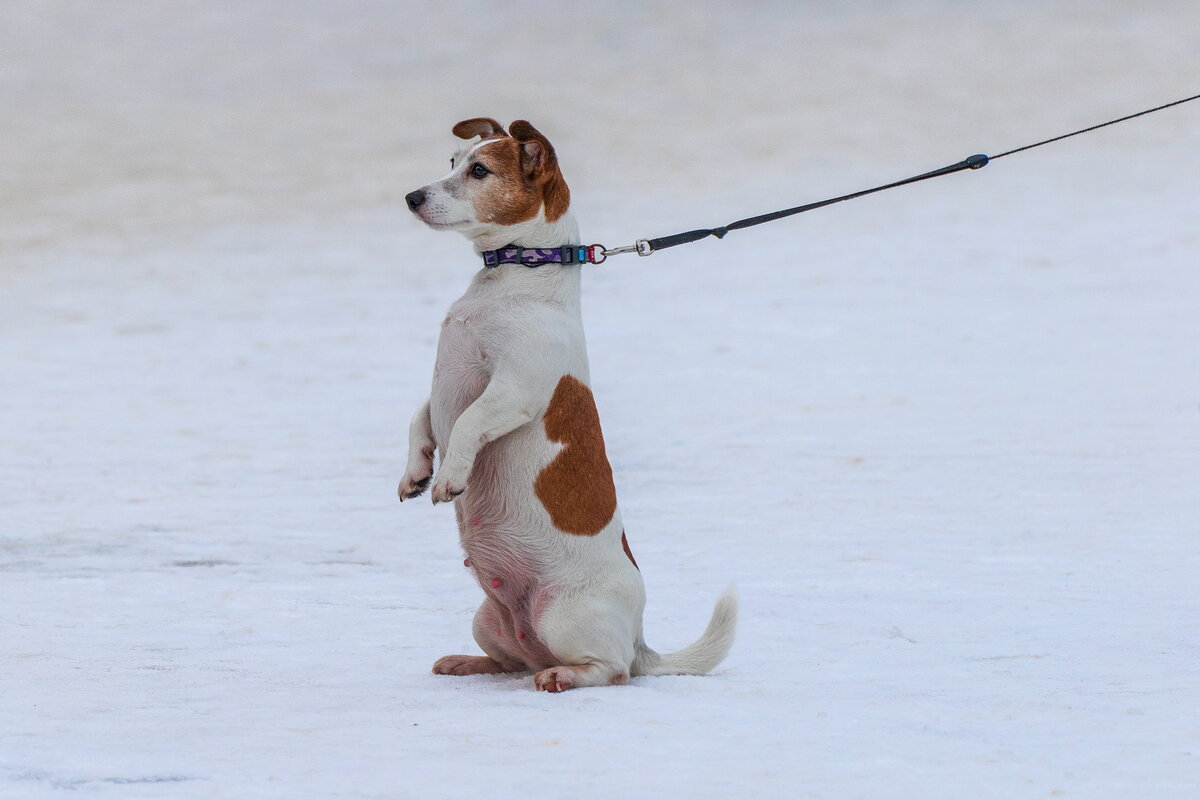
440	225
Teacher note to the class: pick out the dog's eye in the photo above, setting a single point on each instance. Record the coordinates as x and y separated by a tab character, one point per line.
451	162
480	171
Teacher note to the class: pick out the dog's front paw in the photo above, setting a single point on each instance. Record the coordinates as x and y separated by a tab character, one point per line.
413	486
446	488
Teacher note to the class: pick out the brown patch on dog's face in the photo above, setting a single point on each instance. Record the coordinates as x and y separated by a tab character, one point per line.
628	552
503	195
514	177
576	488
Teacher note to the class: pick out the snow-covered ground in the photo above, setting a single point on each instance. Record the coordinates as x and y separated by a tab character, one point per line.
946	439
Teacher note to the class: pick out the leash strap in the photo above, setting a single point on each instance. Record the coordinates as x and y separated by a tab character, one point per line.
971	162
645	247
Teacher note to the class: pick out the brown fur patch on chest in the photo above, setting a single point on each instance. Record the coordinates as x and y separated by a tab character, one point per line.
576	488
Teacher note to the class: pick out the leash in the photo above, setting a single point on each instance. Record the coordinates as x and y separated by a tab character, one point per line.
598	253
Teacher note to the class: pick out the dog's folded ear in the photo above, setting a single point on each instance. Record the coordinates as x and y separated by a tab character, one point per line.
479	126
540	165
537	154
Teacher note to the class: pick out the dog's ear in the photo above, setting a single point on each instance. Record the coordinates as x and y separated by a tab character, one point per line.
479	126
537	154
540	165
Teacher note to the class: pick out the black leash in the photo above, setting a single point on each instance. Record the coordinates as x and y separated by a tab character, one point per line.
645	247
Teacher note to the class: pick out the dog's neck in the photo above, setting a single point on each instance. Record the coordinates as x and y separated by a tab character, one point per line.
558	283
534	233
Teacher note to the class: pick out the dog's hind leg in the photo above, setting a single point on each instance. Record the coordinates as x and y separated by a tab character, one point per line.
592	639
489	628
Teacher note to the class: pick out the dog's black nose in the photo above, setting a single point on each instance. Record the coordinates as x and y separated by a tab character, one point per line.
414	199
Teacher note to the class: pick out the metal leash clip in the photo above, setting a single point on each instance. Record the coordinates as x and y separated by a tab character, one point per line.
641	247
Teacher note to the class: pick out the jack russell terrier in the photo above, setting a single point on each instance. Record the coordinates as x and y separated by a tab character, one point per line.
522	455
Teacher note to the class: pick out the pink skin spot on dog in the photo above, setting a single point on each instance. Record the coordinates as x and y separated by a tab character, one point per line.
476	521
497	583
521	635
466	562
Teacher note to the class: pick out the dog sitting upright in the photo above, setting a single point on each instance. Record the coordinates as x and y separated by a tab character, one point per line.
522	455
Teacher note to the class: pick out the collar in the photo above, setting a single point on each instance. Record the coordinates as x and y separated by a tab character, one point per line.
536	256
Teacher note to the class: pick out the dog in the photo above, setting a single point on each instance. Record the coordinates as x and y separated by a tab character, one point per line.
522	456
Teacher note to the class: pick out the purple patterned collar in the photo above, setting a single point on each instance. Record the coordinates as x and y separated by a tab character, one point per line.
536	256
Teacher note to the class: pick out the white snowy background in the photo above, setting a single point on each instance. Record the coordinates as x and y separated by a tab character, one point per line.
945	439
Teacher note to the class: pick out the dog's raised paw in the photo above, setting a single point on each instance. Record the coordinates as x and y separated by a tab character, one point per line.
555	679
413	487
444	491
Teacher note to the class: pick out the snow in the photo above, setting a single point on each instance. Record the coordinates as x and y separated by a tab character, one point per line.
944	438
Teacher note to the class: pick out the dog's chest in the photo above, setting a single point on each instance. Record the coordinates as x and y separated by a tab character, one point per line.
460	374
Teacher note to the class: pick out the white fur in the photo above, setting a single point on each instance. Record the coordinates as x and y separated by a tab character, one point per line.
567	607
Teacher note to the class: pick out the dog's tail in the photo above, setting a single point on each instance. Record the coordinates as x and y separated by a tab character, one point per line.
703	654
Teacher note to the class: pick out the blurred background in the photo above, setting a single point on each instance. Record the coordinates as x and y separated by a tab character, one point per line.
133	119
943	437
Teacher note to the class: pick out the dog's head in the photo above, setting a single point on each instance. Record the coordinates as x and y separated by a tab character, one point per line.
498	181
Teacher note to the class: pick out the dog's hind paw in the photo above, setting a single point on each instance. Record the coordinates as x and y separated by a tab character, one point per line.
555	679
467	665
